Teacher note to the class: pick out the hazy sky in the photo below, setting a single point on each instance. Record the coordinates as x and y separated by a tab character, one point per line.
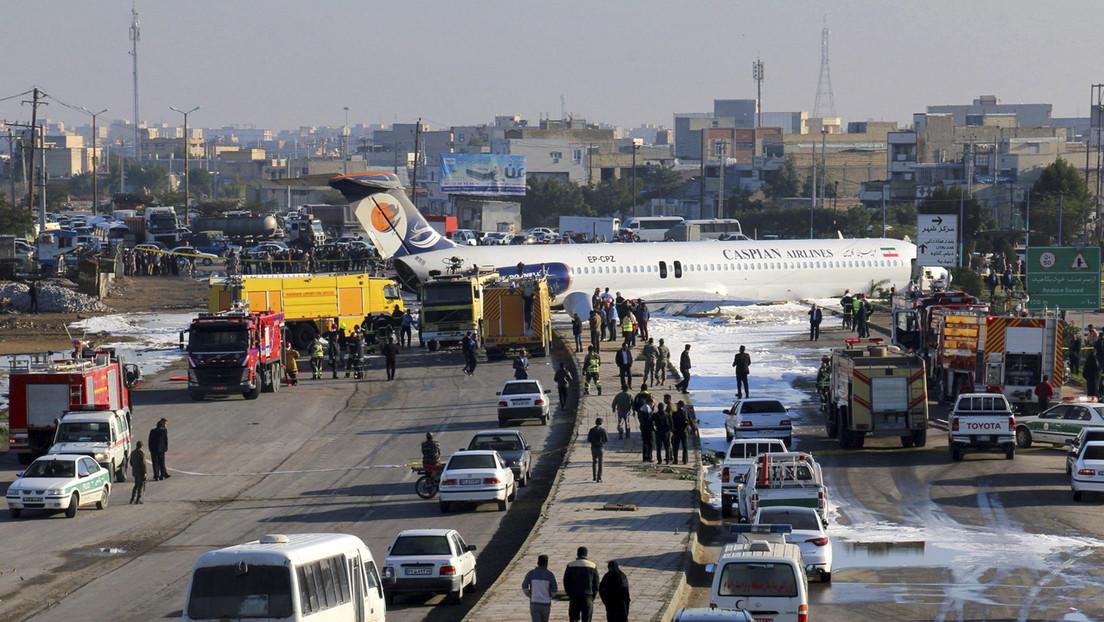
285	63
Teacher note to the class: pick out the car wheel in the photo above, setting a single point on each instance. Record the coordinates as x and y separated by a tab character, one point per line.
906	441
503	504
458	596
523	480
389	599
826	577
1010	453
1069	468
474	584
195	394
544	419
1077	495
444	507
726	506
15	512
102	502
120	471
513	494
74	503
1023	437
956	454
501	422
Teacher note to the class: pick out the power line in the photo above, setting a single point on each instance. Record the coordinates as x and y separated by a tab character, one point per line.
2	99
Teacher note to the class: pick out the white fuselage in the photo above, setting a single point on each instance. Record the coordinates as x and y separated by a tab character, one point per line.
736	271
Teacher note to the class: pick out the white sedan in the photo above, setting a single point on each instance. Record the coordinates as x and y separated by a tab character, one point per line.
477	476
1088	470
523	399
758	418
807	533
59	482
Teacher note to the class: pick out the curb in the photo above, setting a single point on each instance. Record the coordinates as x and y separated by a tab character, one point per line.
678	593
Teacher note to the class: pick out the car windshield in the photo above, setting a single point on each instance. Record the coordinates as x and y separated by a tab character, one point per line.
981	404
50	468
217	339
793	518
760	408
497	442
84	432
521	388
758	579
1094	452
751	450
240	591
471	461
420	545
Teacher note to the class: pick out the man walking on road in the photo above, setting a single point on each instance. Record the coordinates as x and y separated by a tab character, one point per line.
595	328
684	369
816	316
468	346
592	366
624	360
643	404
138	472
681	423
651	356
390	357
563	383
580	582
158	447
598	439
662	423
622	406
540	586
742	363
614	590
663	359
577	332
406	332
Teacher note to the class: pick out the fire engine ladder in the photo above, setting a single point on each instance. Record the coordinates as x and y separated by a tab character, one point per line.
1051	338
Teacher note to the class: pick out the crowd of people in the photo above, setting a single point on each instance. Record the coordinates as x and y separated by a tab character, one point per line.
325	258
151	262
346	351
581	585
857	310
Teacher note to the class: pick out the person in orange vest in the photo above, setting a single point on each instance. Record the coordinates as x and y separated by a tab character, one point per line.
1044	391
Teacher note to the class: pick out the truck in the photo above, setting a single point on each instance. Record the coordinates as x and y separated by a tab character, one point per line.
162	225
592	228
517	314
235	351
304	231
310	303
981	421
953	356
98	432
912	323
791	478
452	305
876	390
42	388
1017	351
741	454
239	227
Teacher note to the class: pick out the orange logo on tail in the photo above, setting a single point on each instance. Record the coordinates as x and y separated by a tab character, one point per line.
384	216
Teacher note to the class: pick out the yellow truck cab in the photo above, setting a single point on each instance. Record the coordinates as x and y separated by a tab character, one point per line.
310	302
452	305
517	313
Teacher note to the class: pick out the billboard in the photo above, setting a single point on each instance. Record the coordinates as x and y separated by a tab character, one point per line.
483	173
1063	277
936	240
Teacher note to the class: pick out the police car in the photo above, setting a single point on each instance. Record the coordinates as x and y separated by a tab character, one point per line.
59	482
1059	424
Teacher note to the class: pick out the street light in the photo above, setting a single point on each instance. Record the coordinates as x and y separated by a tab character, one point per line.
95	156
186	146
345	142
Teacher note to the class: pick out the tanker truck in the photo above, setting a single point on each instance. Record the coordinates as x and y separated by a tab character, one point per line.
239	227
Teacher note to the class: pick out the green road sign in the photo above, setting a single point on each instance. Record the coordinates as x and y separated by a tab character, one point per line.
1063	277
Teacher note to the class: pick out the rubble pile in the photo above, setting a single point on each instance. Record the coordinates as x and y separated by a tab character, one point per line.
52	298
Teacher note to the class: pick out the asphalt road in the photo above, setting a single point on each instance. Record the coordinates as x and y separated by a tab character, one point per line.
919	537
314	458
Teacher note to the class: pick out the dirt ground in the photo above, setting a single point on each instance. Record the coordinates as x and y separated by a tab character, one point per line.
41	332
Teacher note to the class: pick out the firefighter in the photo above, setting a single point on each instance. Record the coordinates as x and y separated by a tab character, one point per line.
333	348
824	376
592	365
292	365
317	353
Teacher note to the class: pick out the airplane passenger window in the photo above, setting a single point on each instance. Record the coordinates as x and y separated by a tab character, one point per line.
663	269
678	270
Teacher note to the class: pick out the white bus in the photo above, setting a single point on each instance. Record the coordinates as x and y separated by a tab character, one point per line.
651	228
708	229
320	577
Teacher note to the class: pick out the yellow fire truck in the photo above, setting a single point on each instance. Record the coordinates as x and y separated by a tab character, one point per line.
309	302
517	313
876	390
452	305
1018	351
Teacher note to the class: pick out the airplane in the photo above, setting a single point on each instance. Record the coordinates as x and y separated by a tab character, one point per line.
738	271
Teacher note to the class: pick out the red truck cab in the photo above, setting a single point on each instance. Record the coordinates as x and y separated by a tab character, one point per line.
235	351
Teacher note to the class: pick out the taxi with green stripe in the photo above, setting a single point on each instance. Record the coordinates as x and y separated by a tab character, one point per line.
59	483
1061	423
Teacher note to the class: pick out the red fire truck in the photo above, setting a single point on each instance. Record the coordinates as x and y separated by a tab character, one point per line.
235	351
42	388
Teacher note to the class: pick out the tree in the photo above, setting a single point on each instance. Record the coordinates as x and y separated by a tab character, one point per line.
548	199
610	197
15	220
1060	193
829	187
782	183
976	220
659	182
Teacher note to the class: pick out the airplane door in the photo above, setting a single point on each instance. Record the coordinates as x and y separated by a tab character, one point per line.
357	574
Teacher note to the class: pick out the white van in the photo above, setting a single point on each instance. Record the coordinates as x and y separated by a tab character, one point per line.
651	228
320	577
104	435
763	575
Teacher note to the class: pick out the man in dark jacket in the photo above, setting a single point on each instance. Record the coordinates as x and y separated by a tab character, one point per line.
391	356
816	316
138	472
662	422
598	439
158	447
563	380
333	348
684	369
614	590
577	332
681	423
624	360
580	583
742	363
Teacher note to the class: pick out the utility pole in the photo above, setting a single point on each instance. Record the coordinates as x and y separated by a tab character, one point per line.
35	103
135	36
186	150
345	142
757	75
720	178
883	210
634	148
812	191
95	158
42	198
417	147
701	183
1061	214
823	164
11	168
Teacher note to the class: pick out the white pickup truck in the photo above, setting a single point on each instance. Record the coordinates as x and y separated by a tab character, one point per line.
982	421
791	478
742	452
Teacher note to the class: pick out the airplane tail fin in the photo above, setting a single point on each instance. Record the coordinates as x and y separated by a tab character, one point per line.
395	226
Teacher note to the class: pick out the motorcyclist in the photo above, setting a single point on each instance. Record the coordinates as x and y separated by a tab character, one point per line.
431	453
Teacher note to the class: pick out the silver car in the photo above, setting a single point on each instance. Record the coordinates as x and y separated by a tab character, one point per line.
511	446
